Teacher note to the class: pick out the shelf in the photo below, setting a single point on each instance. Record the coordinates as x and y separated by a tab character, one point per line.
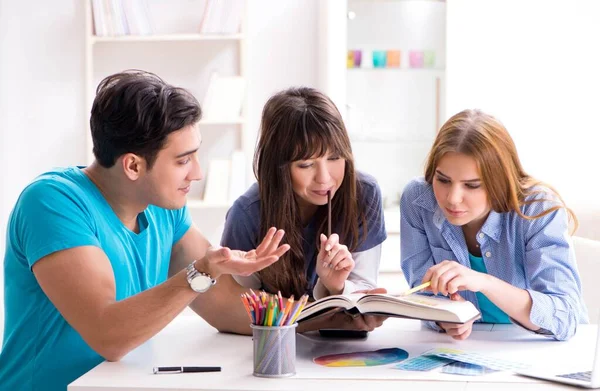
396	69
387	139
194	203
239	121
167	38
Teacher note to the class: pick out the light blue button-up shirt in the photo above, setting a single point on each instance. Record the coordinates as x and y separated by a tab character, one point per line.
536	255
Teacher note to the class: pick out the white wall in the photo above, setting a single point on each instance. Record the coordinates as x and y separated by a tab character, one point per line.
41	92
282	41
42	74
534	64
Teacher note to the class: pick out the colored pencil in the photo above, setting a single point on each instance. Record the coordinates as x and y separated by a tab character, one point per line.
328	213
416	289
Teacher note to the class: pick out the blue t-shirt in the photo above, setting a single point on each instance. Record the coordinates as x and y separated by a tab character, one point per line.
242	224
490	313
63	209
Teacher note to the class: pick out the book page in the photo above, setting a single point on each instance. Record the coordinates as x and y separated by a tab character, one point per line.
324	305
419	307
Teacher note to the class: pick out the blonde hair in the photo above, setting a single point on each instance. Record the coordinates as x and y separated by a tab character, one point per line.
485	139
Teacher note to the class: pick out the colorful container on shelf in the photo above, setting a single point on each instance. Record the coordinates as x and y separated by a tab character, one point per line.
379	58
390	59
354	59
429	59
415	58
350	59
393	58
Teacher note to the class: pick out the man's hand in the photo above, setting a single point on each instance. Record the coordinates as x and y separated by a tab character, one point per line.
223	260
334	264
457	331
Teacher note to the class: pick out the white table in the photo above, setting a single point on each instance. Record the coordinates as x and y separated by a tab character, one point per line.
188	340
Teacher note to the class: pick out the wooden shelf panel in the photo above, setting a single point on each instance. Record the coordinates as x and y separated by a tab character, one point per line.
194	203
167	38
239	121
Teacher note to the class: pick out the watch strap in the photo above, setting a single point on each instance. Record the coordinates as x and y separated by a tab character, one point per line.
192	272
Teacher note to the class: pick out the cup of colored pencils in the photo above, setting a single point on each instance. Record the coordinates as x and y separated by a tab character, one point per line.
273	323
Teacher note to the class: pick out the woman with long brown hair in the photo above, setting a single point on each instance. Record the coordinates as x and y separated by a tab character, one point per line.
303	152
479	228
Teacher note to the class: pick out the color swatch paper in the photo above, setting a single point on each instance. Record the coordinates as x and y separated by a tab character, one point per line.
363	359
465	369
423	363
476	359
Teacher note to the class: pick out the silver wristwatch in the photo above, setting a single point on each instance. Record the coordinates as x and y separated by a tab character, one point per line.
199	282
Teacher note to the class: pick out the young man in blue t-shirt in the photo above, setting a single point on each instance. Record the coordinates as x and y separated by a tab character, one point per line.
101	258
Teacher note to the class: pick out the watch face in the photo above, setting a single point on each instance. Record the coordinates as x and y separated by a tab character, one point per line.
201	283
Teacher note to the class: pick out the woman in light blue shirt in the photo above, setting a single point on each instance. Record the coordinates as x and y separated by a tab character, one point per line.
481	229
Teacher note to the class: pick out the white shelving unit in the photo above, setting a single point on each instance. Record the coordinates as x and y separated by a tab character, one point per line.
186	43
392	113
168	37
183	58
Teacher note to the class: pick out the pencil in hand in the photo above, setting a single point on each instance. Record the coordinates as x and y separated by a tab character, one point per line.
329	220
416	289
328	213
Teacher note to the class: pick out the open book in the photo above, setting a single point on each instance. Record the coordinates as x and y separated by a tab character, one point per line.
439	309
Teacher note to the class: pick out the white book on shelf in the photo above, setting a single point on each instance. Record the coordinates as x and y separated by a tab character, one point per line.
131	17
115	18
121	20
207	15
146	21
237	185
233	20
222	16
98	16
224	97
216	190
136	13
215	16
108	17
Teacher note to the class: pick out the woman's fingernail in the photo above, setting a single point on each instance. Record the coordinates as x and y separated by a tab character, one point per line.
328	247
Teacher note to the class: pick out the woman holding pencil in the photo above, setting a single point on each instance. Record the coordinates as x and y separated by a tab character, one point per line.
479	228
303	159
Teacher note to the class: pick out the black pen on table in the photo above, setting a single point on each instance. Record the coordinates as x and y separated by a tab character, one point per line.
158	370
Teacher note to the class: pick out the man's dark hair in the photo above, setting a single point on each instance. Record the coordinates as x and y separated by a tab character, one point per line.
134	111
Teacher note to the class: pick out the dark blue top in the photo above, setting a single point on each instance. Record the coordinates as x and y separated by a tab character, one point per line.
242	224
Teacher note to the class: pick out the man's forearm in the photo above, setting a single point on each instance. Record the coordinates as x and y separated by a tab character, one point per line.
222	308
126	324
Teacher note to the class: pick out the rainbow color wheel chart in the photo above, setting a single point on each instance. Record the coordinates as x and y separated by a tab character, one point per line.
363	359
